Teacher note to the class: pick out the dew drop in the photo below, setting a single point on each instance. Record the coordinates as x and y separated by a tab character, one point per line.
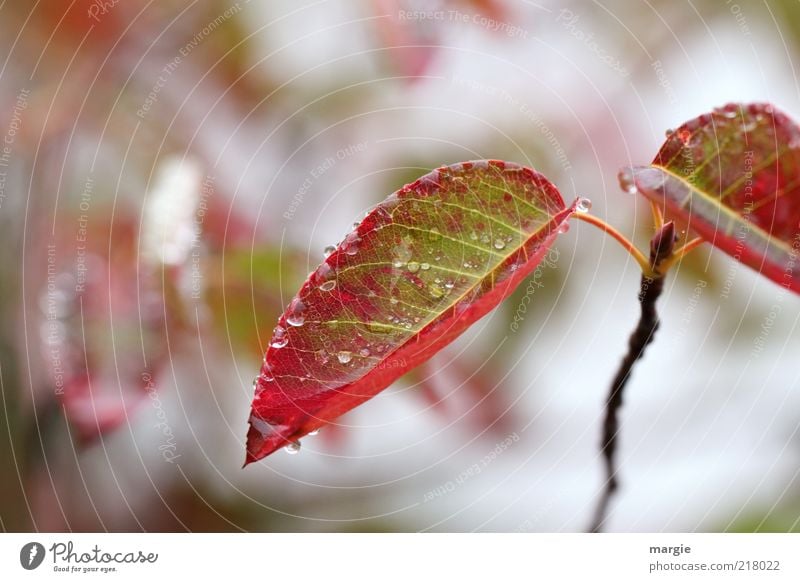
727	113
669	133
449	284
296	315
424	266
434	234
626	181
393	300
350	244
413	267
279	337
564	227
584	205
328	251
473	235
364	352
328	286
323	272
485	238
314	432
499	244
435	291
293	448
344	357
398	264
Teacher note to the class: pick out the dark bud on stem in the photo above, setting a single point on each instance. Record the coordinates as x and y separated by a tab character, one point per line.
663	243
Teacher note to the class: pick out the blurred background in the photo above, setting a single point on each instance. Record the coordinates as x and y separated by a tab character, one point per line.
171	171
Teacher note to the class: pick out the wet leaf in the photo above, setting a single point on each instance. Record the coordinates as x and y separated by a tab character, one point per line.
733	177
416	272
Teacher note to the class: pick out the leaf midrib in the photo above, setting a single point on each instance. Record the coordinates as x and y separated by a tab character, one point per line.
728	210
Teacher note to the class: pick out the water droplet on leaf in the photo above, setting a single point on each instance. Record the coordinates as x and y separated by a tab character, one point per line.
293	448
279	337
350	244
413	267
626	181
328	251
583	205
296	315
327	286
344	357
727	113
435	291
499	244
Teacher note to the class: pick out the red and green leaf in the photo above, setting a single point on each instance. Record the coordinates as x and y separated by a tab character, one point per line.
733	177
419	269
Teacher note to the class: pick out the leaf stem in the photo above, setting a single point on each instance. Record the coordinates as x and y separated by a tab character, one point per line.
650	288
647	269
679	253
658	216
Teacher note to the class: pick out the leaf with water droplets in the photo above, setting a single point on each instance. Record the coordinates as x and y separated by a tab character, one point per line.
422	266
733	177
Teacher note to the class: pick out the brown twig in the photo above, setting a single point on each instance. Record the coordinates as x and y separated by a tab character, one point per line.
661	247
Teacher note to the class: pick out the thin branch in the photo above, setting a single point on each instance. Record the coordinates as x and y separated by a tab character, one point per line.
650	289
